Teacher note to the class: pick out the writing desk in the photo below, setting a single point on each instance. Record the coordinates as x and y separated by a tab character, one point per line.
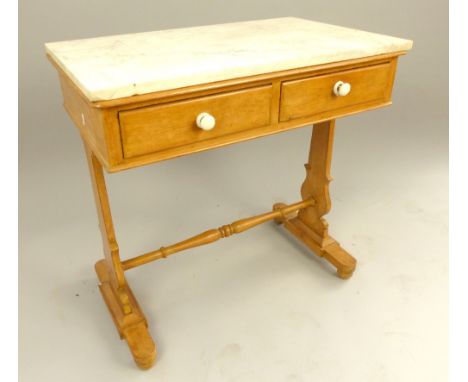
142	98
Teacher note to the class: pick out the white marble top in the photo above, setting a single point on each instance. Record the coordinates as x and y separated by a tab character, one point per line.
106	68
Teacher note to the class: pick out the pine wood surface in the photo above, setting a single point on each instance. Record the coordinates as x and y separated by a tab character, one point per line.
314	95
161	127
122	132
134	131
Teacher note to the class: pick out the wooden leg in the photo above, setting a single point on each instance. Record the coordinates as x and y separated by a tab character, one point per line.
309	225
127	315
131	325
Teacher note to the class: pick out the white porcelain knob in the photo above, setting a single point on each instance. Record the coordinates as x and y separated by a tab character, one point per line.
341	88
206	121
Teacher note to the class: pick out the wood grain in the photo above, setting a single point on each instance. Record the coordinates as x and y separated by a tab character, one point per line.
106	225
124	309
310	226
213	235
132	326
109	139
134	131
314	95
171	125
87	119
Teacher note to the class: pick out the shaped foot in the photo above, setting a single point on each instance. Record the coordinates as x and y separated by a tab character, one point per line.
141	345
128	318
331	251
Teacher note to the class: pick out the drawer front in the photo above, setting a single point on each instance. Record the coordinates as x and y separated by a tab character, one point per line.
311	96
155	128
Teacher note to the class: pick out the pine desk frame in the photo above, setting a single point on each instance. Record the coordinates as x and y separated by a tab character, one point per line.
100	129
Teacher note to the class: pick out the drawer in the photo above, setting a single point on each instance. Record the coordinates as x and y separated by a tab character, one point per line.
160	127
370	85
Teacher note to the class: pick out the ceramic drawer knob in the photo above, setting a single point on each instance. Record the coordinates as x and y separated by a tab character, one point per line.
341	88
206	121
